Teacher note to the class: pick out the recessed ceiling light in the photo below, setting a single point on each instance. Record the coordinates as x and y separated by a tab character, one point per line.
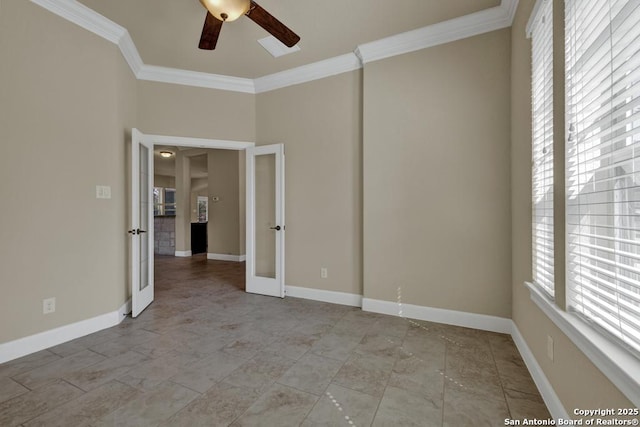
166	154
276	48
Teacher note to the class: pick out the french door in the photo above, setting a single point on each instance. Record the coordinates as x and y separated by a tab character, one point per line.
141	231
264	215
265	220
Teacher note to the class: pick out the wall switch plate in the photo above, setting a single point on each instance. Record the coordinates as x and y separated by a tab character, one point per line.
48	305
103	192
550	347
323	272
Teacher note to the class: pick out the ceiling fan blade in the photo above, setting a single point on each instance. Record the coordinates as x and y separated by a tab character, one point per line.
276	28
210	32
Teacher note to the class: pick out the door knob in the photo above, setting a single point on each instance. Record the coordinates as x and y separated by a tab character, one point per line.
136	231
277	228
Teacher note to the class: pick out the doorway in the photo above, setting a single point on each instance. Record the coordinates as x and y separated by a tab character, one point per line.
171	163
259	215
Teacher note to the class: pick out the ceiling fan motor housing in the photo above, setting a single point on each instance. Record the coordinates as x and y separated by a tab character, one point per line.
221	11
226	10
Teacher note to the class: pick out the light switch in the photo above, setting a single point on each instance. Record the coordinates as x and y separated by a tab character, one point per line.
103	192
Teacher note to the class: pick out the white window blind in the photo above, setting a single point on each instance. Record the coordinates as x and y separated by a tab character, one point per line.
603	164
542	145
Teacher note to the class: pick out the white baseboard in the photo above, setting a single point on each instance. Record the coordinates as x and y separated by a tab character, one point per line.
341	298
227	257
43	340
124	310
439	315
556	409
183	254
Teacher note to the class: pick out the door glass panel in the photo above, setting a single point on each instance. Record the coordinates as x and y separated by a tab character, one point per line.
265	236
144	216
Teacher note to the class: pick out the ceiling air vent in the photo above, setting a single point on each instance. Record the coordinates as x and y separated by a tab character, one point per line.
276	48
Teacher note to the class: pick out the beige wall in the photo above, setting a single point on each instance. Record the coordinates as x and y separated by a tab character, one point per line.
578	383
436	177
166	109
164	181
320	124
67	100
223	228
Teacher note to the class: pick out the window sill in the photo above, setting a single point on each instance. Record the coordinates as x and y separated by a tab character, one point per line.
622	368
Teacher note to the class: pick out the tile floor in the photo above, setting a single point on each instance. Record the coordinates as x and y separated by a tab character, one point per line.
207	354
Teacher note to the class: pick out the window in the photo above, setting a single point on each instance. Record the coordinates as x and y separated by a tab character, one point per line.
164	201
600	161
170	201
603	164
542	145
203	209
158	201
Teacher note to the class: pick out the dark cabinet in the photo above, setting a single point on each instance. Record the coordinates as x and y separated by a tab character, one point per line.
198	237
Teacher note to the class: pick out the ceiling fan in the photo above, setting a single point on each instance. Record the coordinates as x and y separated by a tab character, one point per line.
221	11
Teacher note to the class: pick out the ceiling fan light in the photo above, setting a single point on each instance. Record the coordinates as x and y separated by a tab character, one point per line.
233	9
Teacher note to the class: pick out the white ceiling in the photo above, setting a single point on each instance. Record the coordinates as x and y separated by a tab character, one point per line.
166	32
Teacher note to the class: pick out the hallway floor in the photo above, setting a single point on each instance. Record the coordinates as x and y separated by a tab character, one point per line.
205	353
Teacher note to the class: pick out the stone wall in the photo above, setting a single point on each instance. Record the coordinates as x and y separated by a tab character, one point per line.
164	235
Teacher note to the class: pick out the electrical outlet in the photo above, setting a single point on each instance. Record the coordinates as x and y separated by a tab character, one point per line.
550	347
48	305
323	272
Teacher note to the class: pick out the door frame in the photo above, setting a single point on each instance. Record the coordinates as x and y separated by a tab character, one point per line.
179	141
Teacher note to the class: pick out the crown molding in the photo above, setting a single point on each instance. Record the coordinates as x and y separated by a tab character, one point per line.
195	78
130	53
79	14
306	73
510	7
432	35
87	18
460	28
